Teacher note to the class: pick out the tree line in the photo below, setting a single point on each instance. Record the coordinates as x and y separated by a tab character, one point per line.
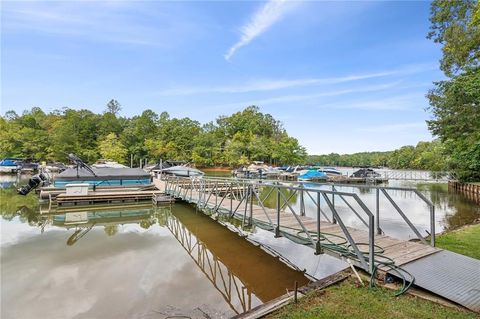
231	140
425	156
234	140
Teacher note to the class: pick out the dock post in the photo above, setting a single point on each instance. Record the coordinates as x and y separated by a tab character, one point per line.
231	199
302	201
318	246
250	218
246	206
295	298
432	225
377	211
277	229
334	220
371	244
216	194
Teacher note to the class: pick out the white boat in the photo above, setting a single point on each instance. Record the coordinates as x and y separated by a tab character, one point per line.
108	164
183	171
330	171
10	165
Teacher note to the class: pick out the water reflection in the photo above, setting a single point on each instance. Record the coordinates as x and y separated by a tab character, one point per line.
239	270
7	181
131	262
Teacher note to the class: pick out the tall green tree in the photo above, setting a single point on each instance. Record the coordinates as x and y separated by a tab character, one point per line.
455	102
113	107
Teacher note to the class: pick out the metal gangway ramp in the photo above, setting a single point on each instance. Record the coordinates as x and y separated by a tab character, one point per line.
409	175
367	247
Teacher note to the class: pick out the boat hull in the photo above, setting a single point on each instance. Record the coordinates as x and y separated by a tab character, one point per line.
8	169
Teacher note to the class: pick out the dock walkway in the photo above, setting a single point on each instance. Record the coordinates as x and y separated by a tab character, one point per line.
367	249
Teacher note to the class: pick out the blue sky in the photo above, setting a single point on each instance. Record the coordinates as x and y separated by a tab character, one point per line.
342	76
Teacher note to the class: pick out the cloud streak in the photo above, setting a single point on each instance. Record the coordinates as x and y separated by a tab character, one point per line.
310	97
266	16
109	21
397	127
273	84
398	102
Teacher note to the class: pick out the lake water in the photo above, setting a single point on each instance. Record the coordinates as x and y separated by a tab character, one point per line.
131	262
142	262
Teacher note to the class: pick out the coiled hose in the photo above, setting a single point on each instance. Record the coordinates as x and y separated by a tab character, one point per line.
340	245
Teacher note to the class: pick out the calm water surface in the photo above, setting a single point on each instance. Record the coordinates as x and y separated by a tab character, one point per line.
129	262
140	262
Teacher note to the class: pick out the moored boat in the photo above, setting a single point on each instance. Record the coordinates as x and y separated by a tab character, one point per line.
330	171
313	175
10	165
102	177
183	171
365	173
102	163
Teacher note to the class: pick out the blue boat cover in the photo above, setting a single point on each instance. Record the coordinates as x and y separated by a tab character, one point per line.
10	162
313	174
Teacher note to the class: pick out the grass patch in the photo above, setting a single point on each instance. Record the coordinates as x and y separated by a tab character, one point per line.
347	300
465	241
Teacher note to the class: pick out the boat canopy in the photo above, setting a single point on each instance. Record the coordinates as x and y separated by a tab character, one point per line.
313	174
104	176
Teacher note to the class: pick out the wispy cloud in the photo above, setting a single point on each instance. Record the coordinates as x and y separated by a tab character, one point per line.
265	16
396	127
397	102
274	84
310	97
101	21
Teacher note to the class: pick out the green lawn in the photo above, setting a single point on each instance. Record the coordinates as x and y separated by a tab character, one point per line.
347	300
465	241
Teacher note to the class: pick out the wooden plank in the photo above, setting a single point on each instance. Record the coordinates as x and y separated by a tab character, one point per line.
414	256
409	251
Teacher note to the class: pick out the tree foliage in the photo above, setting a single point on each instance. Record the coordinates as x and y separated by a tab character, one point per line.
111	148
230	140
455	102
425	155
113	107
455	25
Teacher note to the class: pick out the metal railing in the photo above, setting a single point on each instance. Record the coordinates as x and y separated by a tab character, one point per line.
241	197
417	175
379	190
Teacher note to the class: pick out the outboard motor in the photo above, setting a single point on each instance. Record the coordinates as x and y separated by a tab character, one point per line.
33	183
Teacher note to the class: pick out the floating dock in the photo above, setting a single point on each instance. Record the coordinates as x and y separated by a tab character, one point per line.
103	197
84	194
